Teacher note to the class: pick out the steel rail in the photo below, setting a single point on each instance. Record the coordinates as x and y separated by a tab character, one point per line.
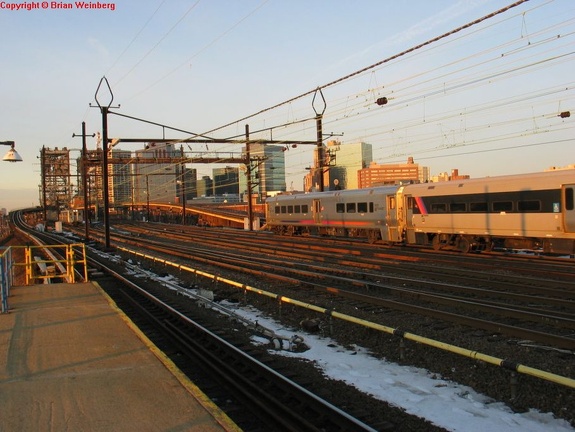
245	265
505	363
217	355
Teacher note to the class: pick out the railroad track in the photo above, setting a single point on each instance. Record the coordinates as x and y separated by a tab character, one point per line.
252	393
215	357
539	310
310	244
494	382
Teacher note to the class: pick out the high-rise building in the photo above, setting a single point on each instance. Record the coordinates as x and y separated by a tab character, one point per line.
190	183
120	179
158	180
226	181
205	187
267	169
340	165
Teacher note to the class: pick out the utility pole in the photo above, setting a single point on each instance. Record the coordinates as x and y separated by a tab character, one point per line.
105	190
147	199
319	137
249	179
43	169
320	152
85	180
183	186
104	109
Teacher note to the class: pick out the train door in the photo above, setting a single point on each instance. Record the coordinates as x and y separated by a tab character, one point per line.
316	211
405	214
569	208
391	219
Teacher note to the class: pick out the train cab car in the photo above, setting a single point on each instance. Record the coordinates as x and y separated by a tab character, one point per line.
528	211
290	213
349	213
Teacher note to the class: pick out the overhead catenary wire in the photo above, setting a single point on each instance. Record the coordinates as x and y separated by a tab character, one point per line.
135	37
411	92
204	48
365	69
366	104
170	30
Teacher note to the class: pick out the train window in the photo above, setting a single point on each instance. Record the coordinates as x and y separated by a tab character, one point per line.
371	207
297	209
362	207
529	206
340	208
290	209
502	206
478	207
569	198
277	209
438	208
457	207
284	209
392	202
304	208
350	208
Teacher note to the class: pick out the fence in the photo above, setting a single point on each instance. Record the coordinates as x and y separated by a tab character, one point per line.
41	265
6	276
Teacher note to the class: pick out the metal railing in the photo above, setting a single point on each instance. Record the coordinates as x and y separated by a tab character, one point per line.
42	263
6	276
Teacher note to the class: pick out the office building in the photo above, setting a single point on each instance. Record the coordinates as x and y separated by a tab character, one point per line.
226	181
158	180
267	170
340	166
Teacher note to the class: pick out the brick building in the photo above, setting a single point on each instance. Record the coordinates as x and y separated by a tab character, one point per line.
388	174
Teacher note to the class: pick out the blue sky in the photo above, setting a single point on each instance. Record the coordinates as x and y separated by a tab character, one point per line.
484	101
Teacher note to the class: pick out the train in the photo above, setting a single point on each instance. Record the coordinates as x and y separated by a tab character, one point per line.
524	211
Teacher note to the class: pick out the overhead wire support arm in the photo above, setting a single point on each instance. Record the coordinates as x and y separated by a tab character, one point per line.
164	127
271	128
208	141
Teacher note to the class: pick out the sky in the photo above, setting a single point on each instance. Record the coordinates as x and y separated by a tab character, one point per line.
485	100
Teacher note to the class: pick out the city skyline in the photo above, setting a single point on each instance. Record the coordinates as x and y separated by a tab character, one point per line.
166	180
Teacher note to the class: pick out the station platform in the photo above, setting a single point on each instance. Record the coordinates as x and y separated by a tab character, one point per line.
71	361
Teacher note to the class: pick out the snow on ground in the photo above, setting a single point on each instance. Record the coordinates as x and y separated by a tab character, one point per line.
446	404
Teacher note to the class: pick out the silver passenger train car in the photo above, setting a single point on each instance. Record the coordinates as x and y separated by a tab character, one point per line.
531	211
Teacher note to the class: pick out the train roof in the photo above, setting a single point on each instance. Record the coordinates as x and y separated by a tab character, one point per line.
532	181
344	192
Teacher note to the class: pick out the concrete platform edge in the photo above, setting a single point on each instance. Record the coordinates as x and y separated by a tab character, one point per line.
212	408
